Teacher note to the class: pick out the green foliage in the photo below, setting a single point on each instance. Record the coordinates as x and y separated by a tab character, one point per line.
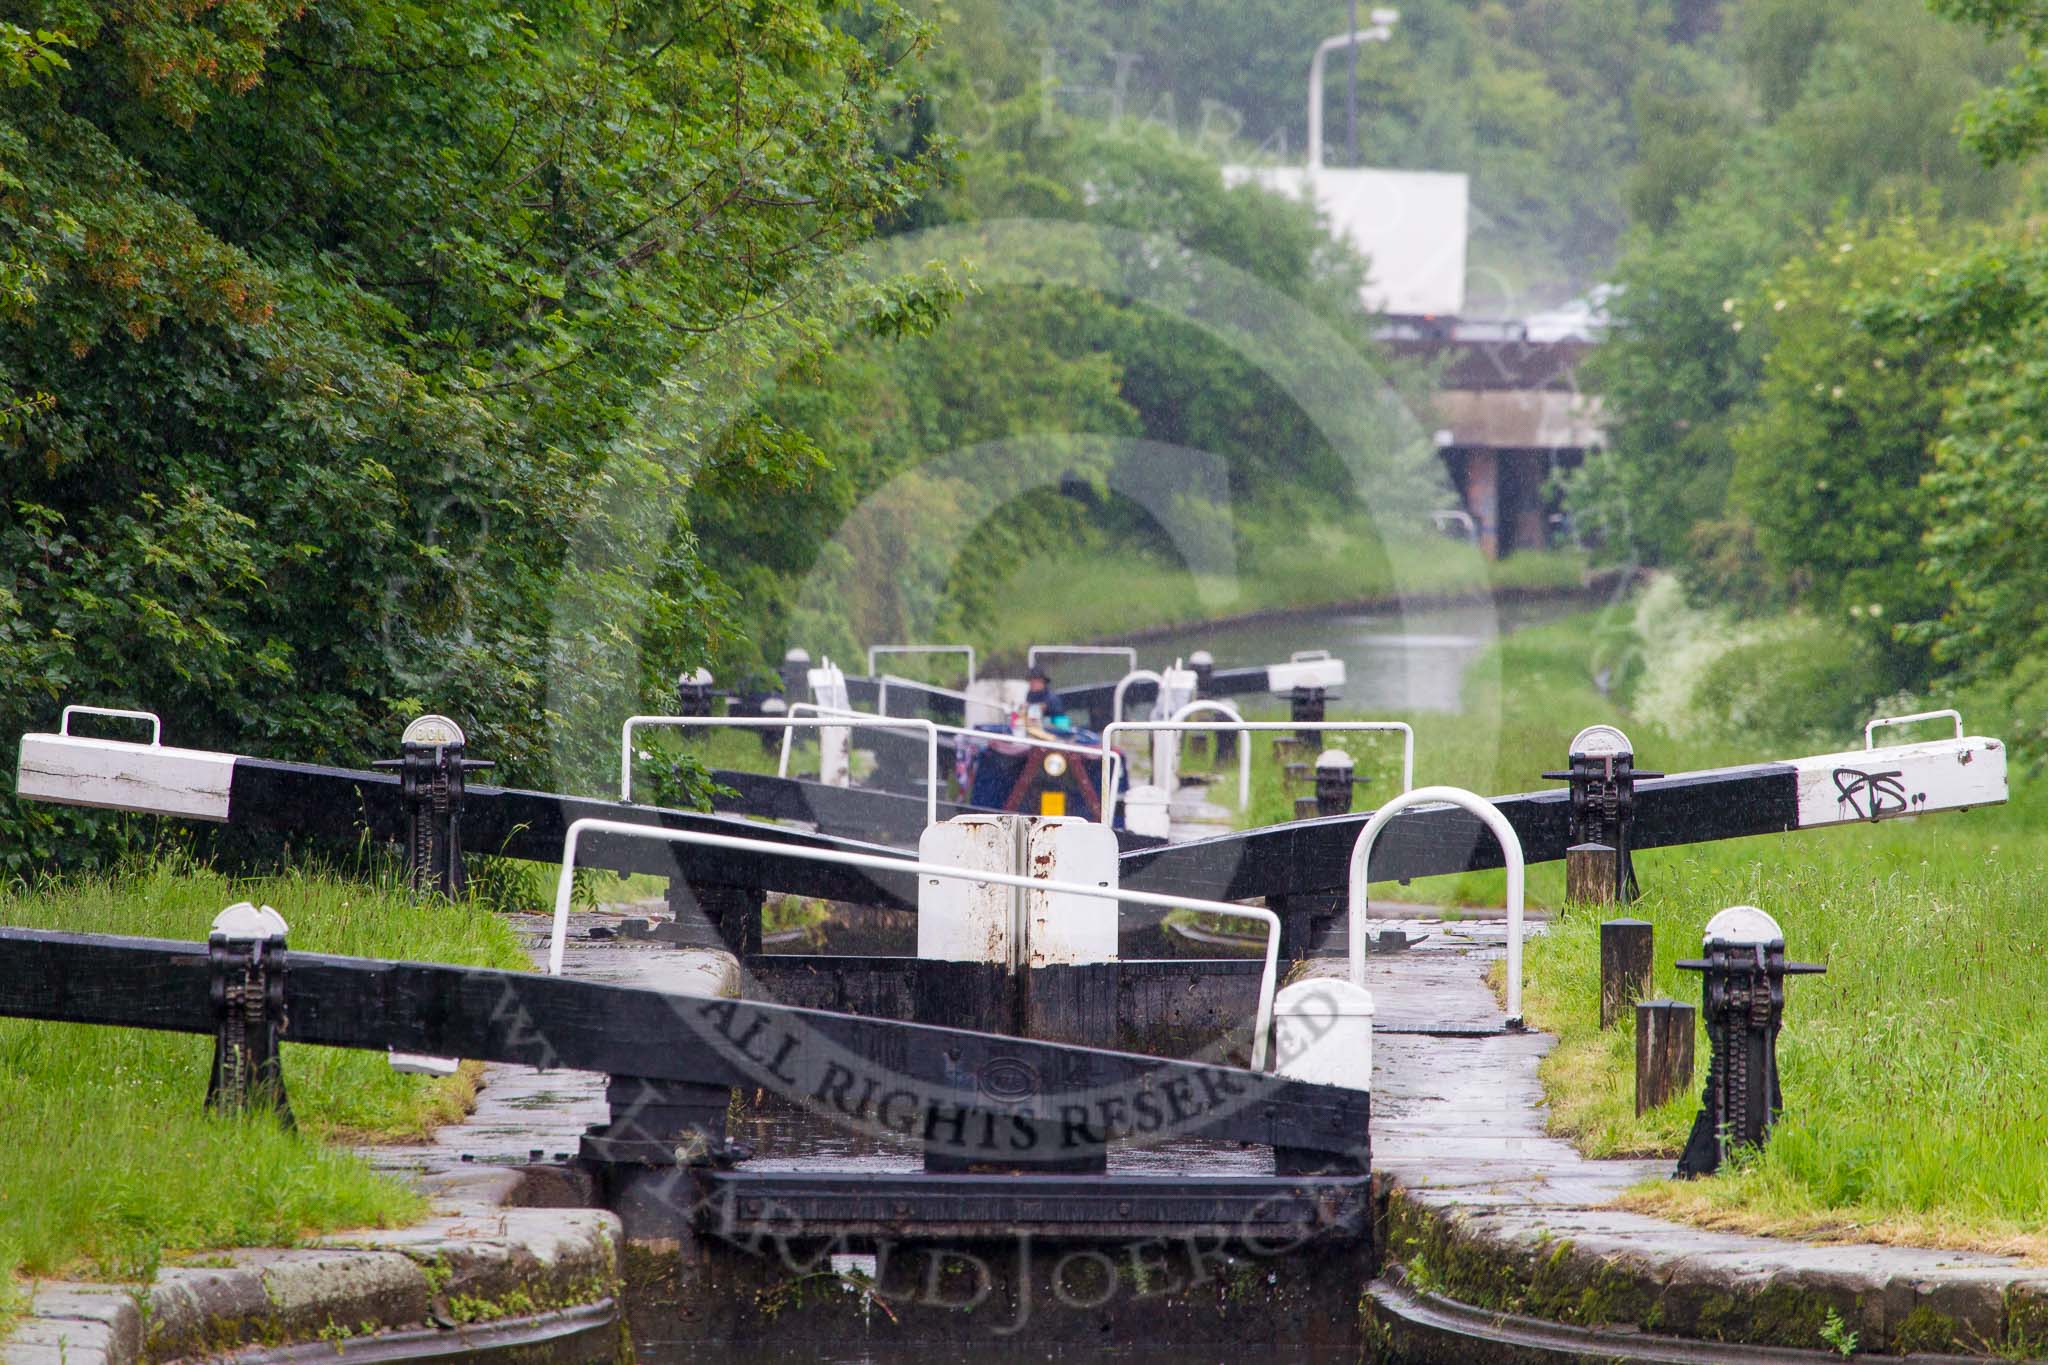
2008	123
1108	358
1830	454
1837	1334
338	341
1672	372
1765	439
1811	687
1989	310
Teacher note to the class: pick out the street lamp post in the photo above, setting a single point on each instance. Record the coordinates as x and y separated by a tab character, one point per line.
1383	21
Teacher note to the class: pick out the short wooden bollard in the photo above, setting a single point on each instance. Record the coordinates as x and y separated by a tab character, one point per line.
1627	950
1663	1052
1590	874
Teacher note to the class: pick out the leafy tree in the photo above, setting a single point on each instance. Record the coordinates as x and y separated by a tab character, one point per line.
1114	350
1988	309
362	324
1850	117
1674	370
1830	456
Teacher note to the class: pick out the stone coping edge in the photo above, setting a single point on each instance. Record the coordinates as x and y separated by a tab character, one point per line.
1505	1262
1424	1328
479	1273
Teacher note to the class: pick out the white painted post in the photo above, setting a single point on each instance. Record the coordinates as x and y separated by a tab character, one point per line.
970	921
835	744
1322	1032
1061	928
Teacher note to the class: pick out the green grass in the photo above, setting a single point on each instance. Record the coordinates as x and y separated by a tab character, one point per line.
1332	563
112	1165
1914	1071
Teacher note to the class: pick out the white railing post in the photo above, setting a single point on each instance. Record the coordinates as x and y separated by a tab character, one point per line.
565	889
1359	890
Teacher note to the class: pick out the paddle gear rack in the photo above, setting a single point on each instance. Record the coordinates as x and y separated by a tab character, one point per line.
432	775
246	962
1743	981
1602	774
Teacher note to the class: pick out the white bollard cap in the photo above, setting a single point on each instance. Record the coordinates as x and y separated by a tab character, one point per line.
1322	1032
1335	758
1743	924
244	920
1600	741
431	729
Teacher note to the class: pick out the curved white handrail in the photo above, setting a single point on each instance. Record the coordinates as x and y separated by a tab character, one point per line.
1031	654
1256	726
875	651
1877	723
1116	698
1244	751
786	724
1359	896
565	890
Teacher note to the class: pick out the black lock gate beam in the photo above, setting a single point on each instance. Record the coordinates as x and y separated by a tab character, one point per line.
1303	858
1313	856
1050	1099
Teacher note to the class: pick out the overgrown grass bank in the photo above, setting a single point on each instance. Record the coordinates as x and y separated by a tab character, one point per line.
111	1163
1914	1070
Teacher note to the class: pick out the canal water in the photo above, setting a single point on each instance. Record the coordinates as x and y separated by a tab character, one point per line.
1392	661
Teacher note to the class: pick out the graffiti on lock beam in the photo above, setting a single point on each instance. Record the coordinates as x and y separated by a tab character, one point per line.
1873	796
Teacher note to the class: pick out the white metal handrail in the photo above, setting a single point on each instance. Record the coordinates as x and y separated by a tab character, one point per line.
875	651
1136	675
1877	723
1031	654
1257	726
156	724
1359	895
849	720
565	890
